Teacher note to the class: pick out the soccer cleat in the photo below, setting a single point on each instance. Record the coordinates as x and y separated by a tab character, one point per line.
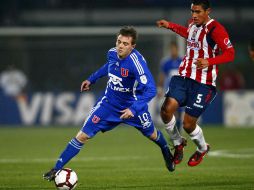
50	175
168	158
197	157
178	154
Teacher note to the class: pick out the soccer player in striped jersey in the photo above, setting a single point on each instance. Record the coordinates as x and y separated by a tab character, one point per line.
130	87
208	46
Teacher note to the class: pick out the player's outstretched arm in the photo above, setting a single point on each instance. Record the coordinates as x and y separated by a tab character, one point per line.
181	30
85	86
162	23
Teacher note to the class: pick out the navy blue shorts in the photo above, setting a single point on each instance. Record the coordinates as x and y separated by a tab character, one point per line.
192	94
104	117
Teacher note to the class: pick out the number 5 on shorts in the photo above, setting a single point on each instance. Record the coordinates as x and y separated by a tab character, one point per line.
199	98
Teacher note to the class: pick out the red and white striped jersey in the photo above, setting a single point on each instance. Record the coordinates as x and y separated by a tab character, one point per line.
204	41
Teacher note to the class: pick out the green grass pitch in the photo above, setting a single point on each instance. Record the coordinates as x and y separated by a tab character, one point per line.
123	159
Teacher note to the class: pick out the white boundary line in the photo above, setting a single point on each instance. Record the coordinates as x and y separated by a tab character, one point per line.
85	159
237	153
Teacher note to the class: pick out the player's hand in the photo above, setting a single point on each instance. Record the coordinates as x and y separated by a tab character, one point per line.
162	23
85	86
201	63
126	114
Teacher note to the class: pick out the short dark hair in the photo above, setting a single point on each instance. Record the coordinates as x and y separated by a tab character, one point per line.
204	3
129	31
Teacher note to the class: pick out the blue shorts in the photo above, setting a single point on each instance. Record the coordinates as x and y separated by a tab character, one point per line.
192	94
104	117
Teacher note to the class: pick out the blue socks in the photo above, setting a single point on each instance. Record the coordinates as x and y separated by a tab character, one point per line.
168	158
74	147
70	151
160	140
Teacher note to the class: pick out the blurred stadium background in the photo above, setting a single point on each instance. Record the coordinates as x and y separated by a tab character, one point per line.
59	43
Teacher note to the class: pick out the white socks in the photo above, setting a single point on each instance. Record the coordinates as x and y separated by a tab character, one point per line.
173	132
198	138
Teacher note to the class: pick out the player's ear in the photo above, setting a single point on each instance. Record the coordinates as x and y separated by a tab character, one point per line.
208	11
133	46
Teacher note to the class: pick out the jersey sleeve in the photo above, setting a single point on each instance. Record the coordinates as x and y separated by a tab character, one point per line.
181	30
146	88
221	38
101	72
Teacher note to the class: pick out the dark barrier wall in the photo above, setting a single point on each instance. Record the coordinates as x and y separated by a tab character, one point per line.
62	63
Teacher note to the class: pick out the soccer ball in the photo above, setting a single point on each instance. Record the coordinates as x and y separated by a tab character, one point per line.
66	179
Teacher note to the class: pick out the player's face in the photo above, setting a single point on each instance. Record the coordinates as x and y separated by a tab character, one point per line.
199	15
124	46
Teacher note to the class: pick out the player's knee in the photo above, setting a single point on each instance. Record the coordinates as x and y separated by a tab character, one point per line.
153	136
188	126
165	115
167	110
82	137
189	123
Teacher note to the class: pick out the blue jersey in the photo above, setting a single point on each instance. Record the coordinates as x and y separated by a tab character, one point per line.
130	83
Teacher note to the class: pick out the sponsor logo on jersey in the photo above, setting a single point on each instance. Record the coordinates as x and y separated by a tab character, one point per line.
124	72
194	34
143	79
115	80
96	119
227	43
115	83
193	45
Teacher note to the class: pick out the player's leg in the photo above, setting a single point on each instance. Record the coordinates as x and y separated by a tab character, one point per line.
91	127
168	109
144	124
200	97
159	139
197	136
72	149
179	119
175	97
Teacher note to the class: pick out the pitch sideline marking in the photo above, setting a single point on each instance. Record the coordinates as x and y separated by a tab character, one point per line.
85	159
238	153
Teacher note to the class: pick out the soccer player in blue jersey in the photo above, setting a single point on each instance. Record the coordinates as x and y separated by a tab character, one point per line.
130	87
